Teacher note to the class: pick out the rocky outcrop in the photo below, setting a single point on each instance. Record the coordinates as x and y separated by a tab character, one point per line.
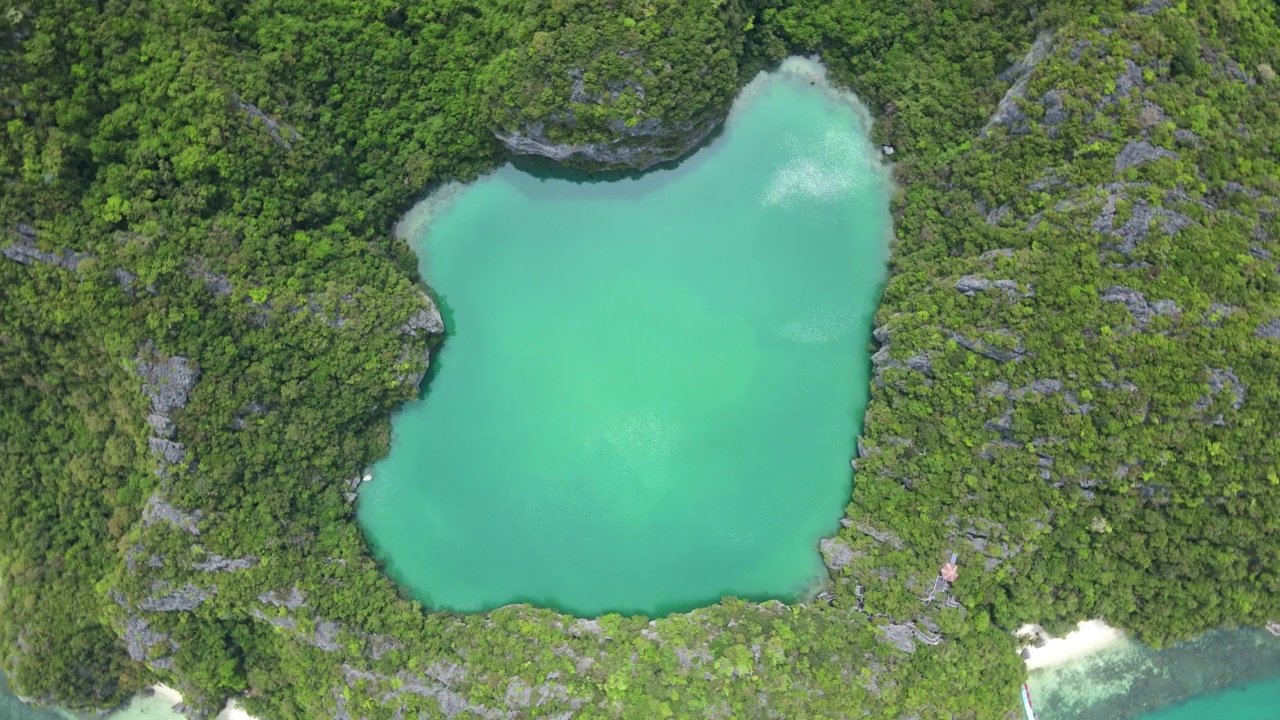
1133	231
1137	152
280	133
217	563
1269	330
836	554
167	382
426	324
24	250
157	509
1013	352
971	285
638	146
1009	113
1141	310
183	599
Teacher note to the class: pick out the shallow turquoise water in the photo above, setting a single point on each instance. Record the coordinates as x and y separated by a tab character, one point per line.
1254	701
651	388
1223	675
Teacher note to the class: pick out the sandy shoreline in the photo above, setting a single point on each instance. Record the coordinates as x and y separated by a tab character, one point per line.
1089	637
231	712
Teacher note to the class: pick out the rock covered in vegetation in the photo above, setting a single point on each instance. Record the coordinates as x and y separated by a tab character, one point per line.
629	88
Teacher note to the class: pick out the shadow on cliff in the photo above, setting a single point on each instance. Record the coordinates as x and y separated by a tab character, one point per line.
535	170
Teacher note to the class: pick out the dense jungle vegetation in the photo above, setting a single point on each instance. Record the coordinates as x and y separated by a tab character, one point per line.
205	323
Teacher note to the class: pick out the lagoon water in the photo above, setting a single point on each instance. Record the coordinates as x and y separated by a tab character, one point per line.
652	385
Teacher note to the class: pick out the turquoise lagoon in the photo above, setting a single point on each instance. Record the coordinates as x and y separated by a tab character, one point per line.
652	384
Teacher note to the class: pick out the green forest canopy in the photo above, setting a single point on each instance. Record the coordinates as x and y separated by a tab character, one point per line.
205	323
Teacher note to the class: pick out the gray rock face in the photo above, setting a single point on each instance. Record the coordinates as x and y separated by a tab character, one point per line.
1129	79
184	599
24	250
986	349
1137	152
1008	113
1038	387
639	146
836	553
277	598
1269	330
1137	304
139	638
1222	379
167	382
157	509
883	536
217	563
168	454
1055	112
326	636
426	321
1136	229
161	425
900	636
1153	7
217	284
972	285
281	134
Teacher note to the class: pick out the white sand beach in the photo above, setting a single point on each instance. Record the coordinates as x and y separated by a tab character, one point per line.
159	706
1088	638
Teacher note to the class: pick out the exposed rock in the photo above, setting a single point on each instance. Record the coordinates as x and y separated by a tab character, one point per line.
167	452
167	383
997	215
900	636
217	563
326	636
639	146
972	285
282	134
1269	330
836	554
1009	113
380	645
1153	6
1222	379
161	425
986	349
24	250
1138	226
184	599
1137	152
1129	79
1038	387
216	283
139	639
427	320
992	255
1055	112
158	509
1137	304
883	536
284	622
